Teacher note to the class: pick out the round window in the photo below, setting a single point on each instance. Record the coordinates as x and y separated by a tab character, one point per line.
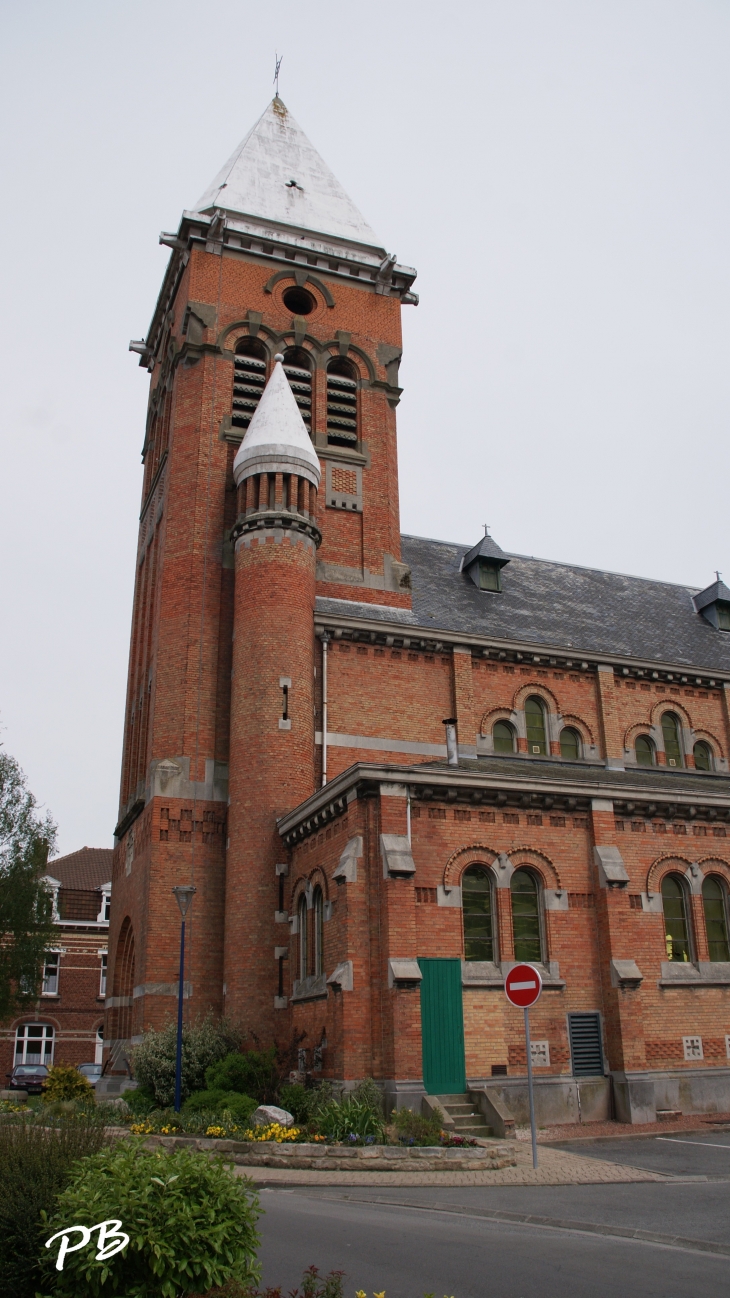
299	301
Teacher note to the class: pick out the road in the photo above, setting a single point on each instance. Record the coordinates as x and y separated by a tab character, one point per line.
477	1243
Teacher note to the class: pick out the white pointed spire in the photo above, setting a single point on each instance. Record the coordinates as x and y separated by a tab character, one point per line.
277	440
277	174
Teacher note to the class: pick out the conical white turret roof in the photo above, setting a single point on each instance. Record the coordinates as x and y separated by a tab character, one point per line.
277	440
277	174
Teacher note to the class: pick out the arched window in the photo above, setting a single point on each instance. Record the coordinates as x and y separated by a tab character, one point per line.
672	743
341	403
249	380
303	927
676	926
702	754
570	745
298	370
714	900
476	900
503	737
536	729
34	1044
644	748
526	916
318	914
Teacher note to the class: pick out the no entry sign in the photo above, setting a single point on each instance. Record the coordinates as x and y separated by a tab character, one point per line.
523	985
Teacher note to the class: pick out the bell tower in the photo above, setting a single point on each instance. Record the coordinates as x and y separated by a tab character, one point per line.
279	319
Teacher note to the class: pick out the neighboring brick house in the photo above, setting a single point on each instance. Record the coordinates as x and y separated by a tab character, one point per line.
67	1021
393	766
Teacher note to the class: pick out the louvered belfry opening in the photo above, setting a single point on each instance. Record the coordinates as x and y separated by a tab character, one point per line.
341	403
585	1044
298	370
249	380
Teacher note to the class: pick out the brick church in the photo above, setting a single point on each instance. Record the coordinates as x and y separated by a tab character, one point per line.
391	766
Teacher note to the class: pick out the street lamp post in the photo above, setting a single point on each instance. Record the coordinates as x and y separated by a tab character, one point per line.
183	895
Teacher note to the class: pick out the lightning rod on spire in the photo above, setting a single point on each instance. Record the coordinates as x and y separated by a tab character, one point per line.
276	72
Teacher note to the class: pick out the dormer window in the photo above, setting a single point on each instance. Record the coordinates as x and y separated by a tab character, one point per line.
489	578
713	604
483	564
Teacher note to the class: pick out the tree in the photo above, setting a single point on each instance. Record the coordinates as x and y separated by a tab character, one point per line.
26	905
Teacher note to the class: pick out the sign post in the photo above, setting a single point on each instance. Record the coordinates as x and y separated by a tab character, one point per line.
522	987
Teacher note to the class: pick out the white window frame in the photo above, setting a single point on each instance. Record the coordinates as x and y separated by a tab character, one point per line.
22	1035
99	1046
104	959
106	901
52	958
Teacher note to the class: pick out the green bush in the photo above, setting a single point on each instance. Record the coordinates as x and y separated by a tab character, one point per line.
239	1106
204	1043
140	1101
253	1072
300	1101
413	1129
65	1082
348	1118
36	1162
191	1223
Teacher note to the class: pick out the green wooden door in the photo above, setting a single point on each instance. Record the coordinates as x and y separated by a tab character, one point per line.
442	1027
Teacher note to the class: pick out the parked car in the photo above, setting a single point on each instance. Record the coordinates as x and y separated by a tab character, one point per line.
92	1072
28	1077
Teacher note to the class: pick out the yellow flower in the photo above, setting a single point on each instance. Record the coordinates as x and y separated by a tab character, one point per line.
361	1294
216	1131
379	1295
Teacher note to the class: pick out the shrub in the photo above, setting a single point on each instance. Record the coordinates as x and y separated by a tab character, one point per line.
255	1073
298	1100
413	1129
204	1043
36	1163
313	1286
66	1083
191	1222
140	1101
239	1106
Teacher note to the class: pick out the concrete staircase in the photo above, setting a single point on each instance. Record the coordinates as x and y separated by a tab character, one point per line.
466	1119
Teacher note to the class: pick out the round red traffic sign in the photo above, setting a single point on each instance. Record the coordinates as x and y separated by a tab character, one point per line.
523	985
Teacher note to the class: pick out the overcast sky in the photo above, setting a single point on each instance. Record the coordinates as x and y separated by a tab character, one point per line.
557	172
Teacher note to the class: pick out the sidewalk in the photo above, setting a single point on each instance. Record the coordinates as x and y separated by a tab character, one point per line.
556	1167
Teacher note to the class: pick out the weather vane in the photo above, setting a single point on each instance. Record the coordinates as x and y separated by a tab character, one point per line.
276	73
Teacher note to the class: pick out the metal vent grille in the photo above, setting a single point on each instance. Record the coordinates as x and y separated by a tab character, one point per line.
341	410
300	382
585	1044
249	381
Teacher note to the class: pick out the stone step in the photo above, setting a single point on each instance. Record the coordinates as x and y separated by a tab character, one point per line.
469	1120
459	1110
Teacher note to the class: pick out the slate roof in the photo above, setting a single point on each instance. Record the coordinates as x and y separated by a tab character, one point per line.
257	181
84	870
555	605
653	781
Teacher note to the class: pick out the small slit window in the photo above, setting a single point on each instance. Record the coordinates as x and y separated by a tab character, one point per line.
570	745
341	403
303	936
298	370
702	754
644	749
503	737
476	900
714	901
249	380
536	729
318	916
526	933
672	744
676	927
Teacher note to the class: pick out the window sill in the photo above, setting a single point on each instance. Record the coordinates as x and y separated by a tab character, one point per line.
50	996
486	973
705	973
310	989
